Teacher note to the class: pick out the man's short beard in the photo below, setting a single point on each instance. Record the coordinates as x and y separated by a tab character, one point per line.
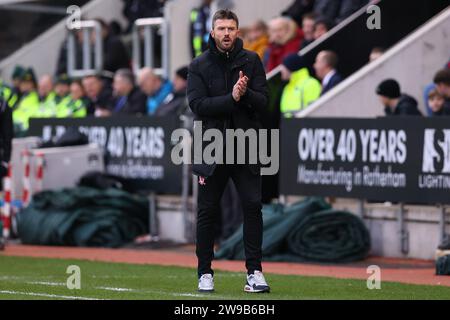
218	45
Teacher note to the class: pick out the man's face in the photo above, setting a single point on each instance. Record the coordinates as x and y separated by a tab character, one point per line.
149	84
444	89
179	84
285	73
26	86
255	32
121	86
92	86
76	91
308	28
374	55
320	66
45	86
225	33
320	30
384	100
62	89
277	32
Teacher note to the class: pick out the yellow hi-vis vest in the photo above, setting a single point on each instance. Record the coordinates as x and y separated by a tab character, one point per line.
300	92
8	95
72	109
47	107
27	107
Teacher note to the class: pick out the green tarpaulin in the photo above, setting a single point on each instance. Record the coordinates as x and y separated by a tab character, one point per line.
306	231
83	217
443	266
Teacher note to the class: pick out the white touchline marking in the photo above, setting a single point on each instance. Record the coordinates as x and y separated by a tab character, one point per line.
189	295
44	283
173	294
46	295
116	289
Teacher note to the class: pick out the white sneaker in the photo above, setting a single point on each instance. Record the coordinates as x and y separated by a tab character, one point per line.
256	283
206	283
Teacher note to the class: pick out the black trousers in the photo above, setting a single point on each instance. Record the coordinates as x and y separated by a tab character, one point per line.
248	186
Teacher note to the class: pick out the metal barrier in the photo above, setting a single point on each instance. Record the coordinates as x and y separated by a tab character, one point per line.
85	26
148	25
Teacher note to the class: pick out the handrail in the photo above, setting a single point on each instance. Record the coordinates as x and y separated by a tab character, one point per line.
148	24
85	27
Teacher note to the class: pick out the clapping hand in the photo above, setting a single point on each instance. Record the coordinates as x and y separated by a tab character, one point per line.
240	87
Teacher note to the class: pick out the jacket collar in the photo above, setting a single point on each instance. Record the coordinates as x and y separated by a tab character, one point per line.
226	56
298	75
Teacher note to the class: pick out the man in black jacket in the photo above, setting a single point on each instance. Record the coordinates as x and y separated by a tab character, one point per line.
128	99
395	103
6	135
227	89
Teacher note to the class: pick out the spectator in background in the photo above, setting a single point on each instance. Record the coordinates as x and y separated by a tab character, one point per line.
6	136
376	53
298	9
436	102
8	94
395	103
155	87
128	99
115	54
99	94
62	64
321	27
442	81
325	67
284	38
28	105
308	23
45	88
176	102
15	79
301	90
200	27
58	102
78	102
257	38
63	99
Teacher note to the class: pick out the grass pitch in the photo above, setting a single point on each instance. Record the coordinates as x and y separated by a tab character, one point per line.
39	278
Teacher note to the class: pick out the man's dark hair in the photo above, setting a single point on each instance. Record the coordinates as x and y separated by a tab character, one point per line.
442	76
309	16
225	14
324	21
331	58
378	50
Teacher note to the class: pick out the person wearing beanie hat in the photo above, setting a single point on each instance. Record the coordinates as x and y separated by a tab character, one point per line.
176	102
61	99
389	88
395	103
28	105
301	90
16	75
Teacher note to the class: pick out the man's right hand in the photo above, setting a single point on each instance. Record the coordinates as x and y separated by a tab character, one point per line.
240	87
